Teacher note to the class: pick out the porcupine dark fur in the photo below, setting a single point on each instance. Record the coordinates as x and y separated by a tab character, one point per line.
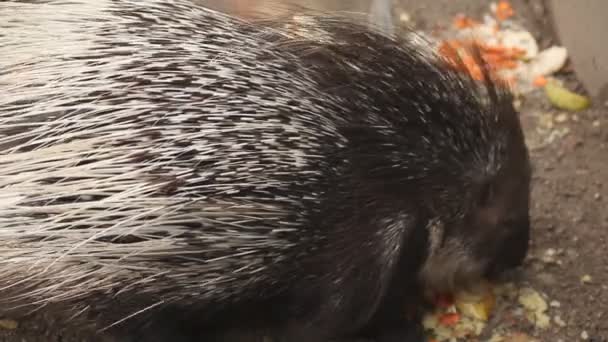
168	169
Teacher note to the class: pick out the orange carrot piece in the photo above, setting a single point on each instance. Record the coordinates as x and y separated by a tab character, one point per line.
515	52
539	81
507	64
461	22
449	319
504	10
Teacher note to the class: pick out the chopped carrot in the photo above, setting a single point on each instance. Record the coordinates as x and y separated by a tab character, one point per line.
449	319
512	52
449	50
460	59
507	64
504	10
539	81
461	22
497	57
473	67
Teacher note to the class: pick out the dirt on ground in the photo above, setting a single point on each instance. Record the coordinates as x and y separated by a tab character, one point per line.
570	218
568	262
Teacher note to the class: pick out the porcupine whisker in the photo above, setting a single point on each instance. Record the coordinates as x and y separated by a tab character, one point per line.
78	313
149	279
139	312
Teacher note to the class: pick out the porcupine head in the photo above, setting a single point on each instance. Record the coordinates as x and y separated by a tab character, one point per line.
453	159
438	163
489	231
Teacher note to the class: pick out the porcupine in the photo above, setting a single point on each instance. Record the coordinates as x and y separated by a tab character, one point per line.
169	171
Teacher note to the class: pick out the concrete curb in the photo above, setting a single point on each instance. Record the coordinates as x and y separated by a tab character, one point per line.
582	27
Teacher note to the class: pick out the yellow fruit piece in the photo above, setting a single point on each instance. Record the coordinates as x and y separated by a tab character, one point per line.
480	309
535	306
477	305
562	98
532	300
8	324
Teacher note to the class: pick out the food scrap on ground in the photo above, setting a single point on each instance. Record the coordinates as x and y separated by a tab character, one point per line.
562	98
540	81
536	307
511	52
503	10
514	57
466	316
8	324
586	279
515	337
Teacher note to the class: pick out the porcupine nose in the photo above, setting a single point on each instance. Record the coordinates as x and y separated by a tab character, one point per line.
512	252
